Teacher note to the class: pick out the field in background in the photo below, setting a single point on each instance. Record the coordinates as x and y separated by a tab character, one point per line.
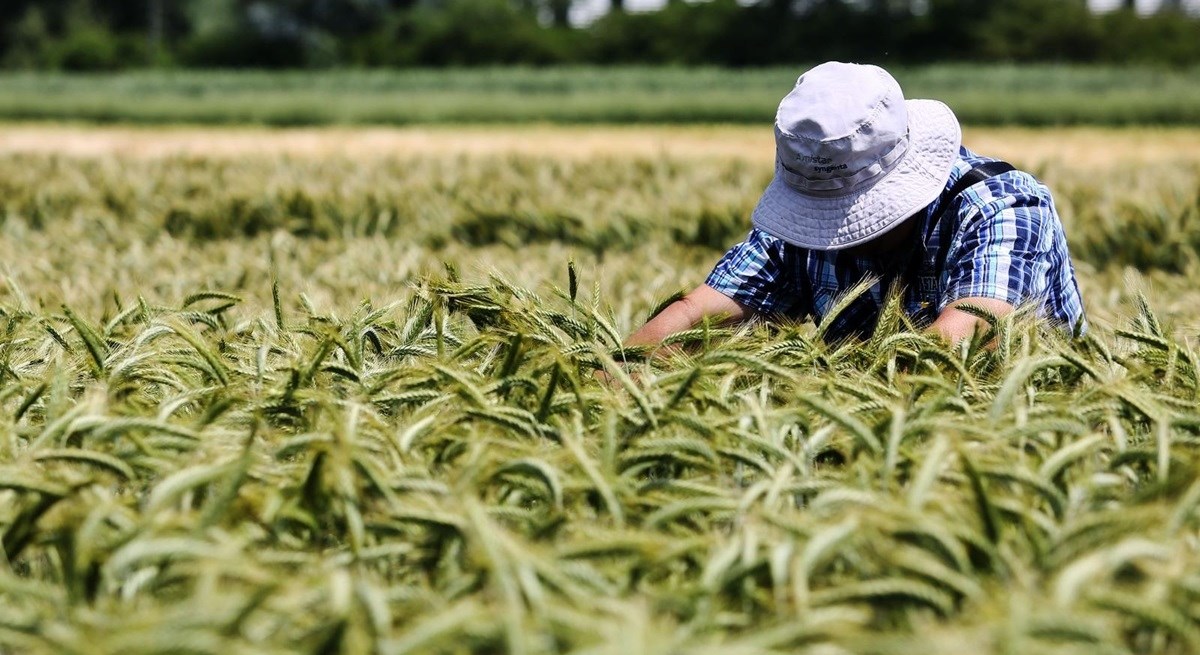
983	95
1074	148
332	391
417	196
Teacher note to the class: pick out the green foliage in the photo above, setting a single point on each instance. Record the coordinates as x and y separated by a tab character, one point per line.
449	34
104	34
1146	219
210	443
984	94
1065	31
335	502
73	40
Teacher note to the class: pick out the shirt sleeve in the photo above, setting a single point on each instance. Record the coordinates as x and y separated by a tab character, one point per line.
1005	251
755	274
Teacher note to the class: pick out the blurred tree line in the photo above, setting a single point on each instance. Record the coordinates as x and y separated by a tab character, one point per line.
115	34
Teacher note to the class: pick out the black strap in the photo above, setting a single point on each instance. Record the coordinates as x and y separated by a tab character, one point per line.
945	217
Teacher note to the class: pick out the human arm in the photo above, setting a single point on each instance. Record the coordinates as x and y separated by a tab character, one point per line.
1010	242
701	303
954	324
756	276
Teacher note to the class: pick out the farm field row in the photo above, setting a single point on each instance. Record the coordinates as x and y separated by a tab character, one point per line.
980	94
414	197
331	390
1075	148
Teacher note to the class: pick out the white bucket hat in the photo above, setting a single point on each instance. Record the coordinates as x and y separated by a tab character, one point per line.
853	158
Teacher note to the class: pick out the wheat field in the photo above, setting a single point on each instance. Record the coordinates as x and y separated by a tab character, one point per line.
1051	94
333	390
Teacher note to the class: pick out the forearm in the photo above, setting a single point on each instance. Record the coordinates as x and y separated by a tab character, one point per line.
684	314
677	317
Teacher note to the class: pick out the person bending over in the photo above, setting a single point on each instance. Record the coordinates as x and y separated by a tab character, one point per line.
868	184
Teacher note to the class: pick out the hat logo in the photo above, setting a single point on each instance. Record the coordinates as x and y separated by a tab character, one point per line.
830	169
821	164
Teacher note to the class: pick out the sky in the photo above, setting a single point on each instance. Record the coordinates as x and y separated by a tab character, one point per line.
585	11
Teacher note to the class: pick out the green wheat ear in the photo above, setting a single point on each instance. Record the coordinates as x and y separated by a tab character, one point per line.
572	281
92	341
276	304
667	302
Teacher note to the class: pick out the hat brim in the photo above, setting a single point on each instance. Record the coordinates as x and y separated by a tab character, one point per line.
835	223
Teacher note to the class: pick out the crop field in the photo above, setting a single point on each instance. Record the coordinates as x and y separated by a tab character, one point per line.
981	94
334	390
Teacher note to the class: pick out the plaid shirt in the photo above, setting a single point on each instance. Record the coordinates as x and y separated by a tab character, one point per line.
1006	243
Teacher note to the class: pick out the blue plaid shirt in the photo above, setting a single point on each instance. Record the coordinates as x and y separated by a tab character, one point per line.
1007	243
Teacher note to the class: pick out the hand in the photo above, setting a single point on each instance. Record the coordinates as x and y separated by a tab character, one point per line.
954	325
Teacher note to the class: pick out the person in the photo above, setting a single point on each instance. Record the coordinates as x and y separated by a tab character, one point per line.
870	185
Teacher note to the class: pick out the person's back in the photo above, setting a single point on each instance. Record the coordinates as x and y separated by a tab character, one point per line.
1000	238
870	185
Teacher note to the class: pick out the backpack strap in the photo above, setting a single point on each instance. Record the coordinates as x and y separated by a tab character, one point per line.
945	217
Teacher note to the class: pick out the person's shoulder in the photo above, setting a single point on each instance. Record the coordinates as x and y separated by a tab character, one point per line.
1014	197
1017	182
764	244
968	159
760	237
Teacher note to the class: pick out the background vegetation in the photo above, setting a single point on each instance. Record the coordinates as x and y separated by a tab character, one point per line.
1146	219
980	94
104	35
